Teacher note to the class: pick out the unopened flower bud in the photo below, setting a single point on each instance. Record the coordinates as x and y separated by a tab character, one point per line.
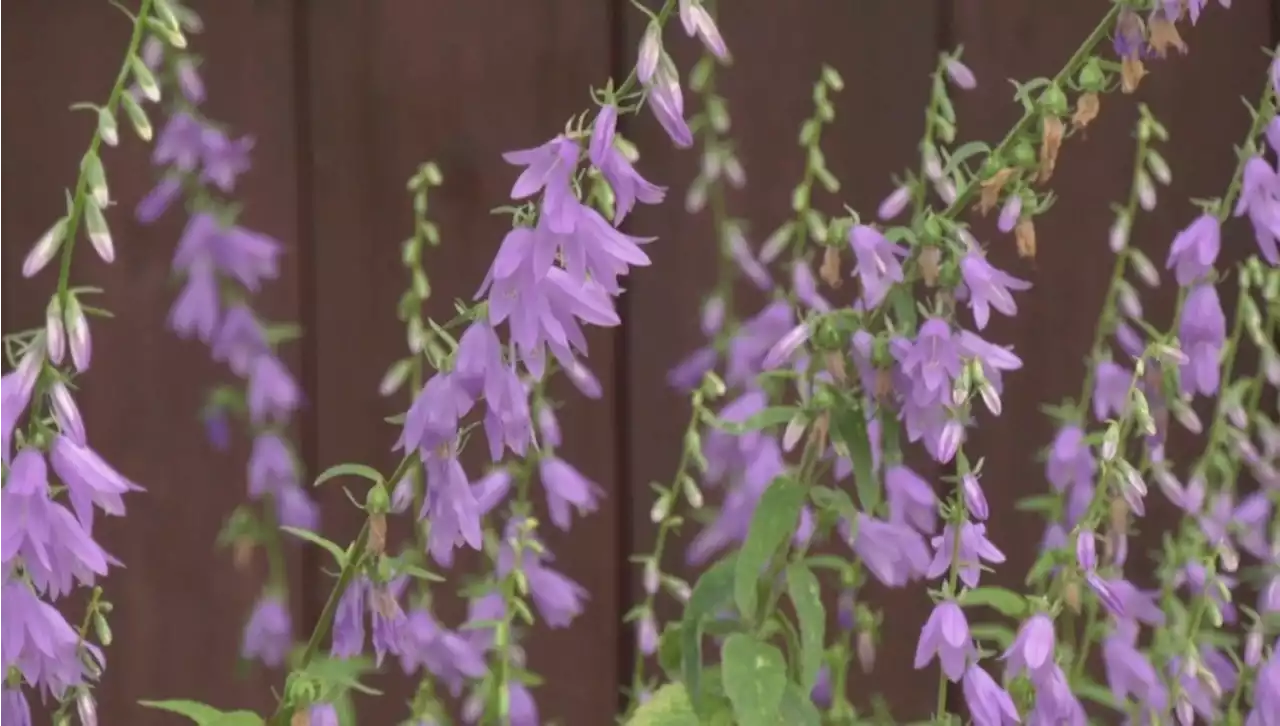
1159	167
893	204
1146	191
960	74
66	413
107	129
1118	238
651	576
692	492
87	708
78	339
866	647
650	52
99	233
661	508
1253	647
678	588
55	334
44	249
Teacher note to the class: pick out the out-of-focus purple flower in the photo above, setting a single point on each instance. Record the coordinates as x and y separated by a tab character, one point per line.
1070	459
753	340
90	481
892	205
15	393
348	620
1129	340
249	257
989	288
38	641
225	159
1266	693
195	311
666	101
240	340
269	633
189	81
1137	604
910	498
271	466
975	548
893	552
322	714
989	704
295	509
452	506
56	551
1110	389
805	286
878	263
388	619
1010	213
523	710
446	655
1195	249
566	487
754	269
180	143
273	393
946	636
753	471
1055	703
1202	332
1129	673
432	420
1260	199
697	21
974	498
559	599
158	200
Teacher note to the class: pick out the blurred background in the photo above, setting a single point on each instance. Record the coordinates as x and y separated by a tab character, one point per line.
345	99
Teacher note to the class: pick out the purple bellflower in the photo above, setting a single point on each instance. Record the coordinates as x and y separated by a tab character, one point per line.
946	637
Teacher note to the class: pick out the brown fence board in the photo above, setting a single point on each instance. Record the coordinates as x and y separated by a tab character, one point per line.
393	84
179	604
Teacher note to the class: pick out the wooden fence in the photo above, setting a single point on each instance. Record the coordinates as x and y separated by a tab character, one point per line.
346	97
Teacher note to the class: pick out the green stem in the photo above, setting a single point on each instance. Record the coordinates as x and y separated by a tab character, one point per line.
1029	117
79	198
926	143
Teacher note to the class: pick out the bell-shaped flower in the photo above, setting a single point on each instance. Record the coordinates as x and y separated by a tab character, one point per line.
989	704
195	311
1032	649
911	499
974	548
268	635
566	487
1195	249
878	263
1202	332
451	506
271	465
39	642
273	394
90	481
627	184
946	636
549	169
894	553
989	288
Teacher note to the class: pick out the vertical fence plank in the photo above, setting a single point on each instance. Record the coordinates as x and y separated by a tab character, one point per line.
1196	97
178	604
885	52
392	85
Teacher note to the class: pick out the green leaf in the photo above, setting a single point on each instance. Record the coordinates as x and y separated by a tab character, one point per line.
668	706
772	524
338	553
768	418
238	718
712	590
670	653
360	470
806	596
755	679
200	713
834	500
1005	601
1041	503
962	154
797	709
852	441
998	634
1094	692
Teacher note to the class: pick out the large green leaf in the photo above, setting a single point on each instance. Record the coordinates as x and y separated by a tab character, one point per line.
797	708
852	441
755	679
711	591
668	706
1005	601
205	715
773	523
360	470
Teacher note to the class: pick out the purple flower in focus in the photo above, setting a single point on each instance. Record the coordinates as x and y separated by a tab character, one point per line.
1202	332
38	641
975	548
989	704
946	636
348	620
910	498
56	551
1195	249
13	707
1260	199
666	101
90	481
1055	703
878	263
989	288
15	394
268	634
567	486
1129	673
452	507
932	362
1032	649
627	185
549	169
507	423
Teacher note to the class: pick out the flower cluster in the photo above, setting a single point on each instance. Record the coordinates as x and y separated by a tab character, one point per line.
222	265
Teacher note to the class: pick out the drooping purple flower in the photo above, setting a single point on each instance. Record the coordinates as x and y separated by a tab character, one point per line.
1032	649
452	507
974	498
931	362
273	393
180	143
1195	249
698	22
38	641
1010	213
56	551
348	620
249	257
805	287
1266	693
1055	703
240	340
189	81
1202	332
894	553
478	360
15	393
666	101
158	200
989	288
507	423
523	710
946	636
446	655
989	704
1110	389
910	498
975	548
295	509
1260	199
225	159
90	481
195	311
559	599
1070	459
549	169
14	707
878	263
1129	673
387	618
753	340
432	420
627	185
271	466
1137	604
752	472
269	633
892	205
491	489
322	714
566	487
752	267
